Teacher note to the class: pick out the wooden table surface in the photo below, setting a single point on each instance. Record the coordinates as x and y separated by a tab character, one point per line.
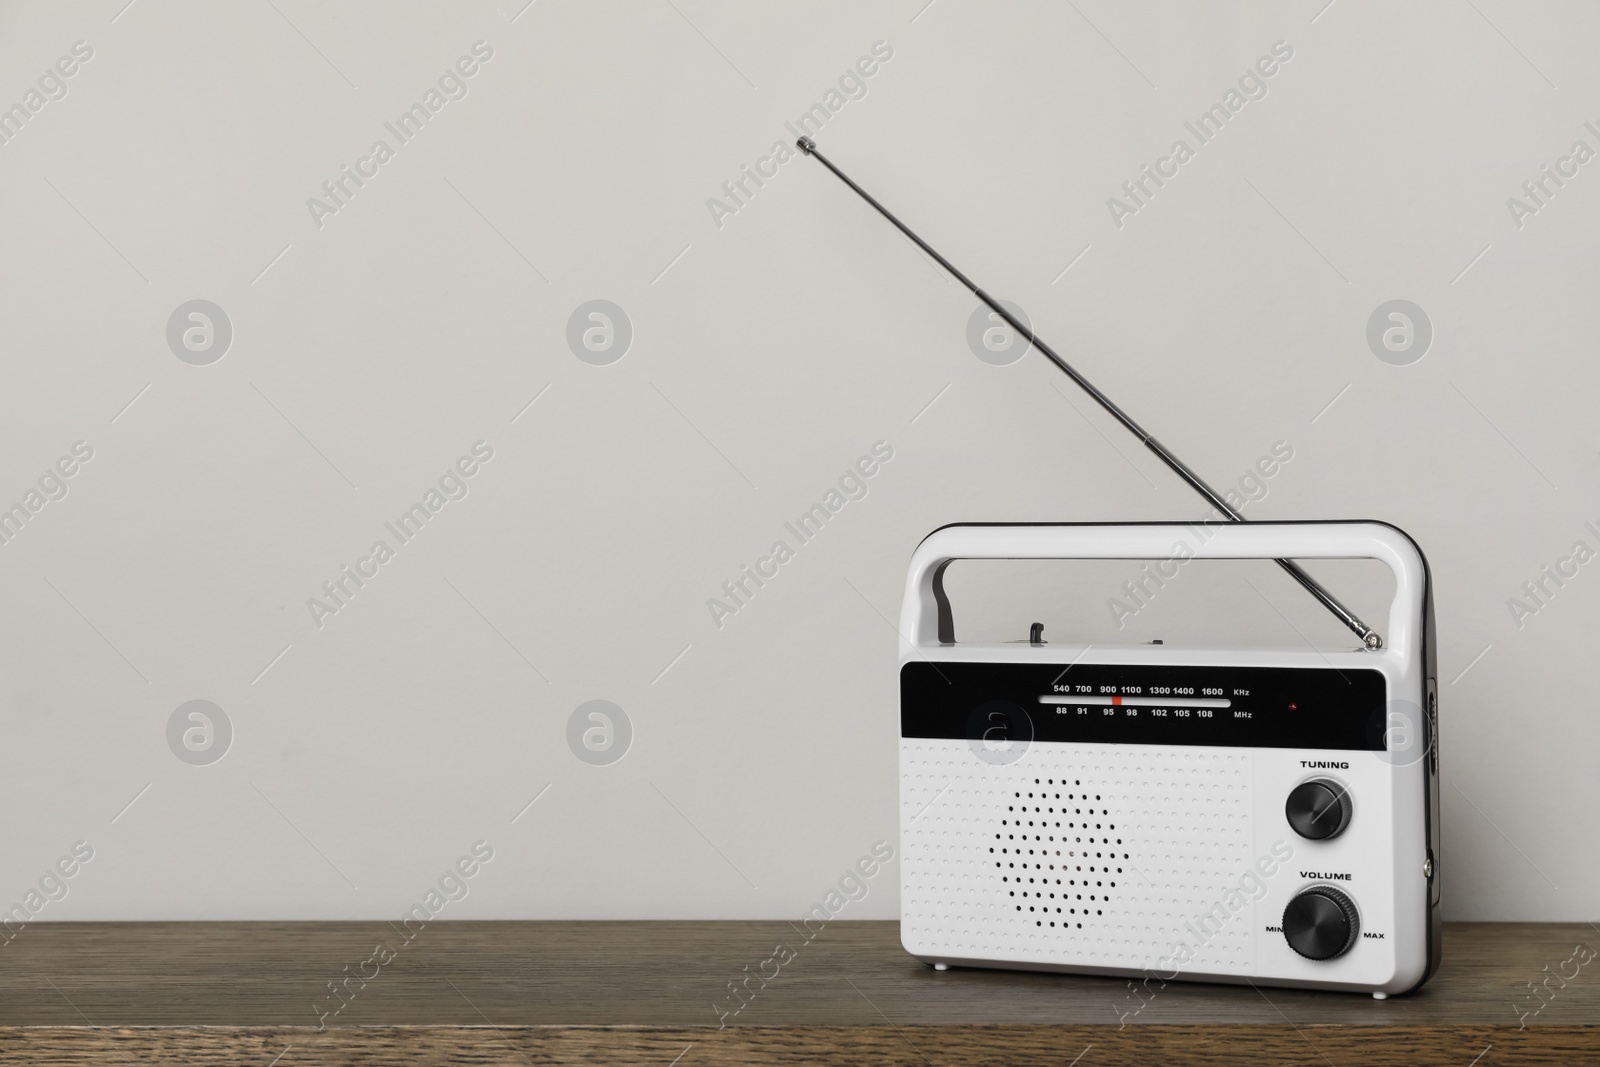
647	992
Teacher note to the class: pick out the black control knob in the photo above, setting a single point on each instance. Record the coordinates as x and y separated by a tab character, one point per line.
1321	923
1318	809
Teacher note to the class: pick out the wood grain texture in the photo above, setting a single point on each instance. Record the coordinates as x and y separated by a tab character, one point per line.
581	993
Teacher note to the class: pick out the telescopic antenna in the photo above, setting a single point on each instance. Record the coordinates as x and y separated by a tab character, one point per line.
1369	636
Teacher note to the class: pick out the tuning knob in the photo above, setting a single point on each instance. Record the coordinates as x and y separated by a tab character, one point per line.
1321	923
1318	809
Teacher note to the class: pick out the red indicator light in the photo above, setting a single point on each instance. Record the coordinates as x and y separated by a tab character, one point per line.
1294	707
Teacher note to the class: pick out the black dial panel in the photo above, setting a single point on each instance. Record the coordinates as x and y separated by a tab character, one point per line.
1241	707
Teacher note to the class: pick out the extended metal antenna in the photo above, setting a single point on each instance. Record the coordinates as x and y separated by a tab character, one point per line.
1369	636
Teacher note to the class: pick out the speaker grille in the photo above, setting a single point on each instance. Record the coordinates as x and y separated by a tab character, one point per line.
1059	872
1103	856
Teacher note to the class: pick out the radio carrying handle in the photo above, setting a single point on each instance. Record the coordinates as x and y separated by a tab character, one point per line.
1369	637
926	621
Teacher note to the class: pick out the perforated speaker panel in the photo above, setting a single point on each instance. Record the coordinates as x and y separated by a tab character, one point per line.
1077	855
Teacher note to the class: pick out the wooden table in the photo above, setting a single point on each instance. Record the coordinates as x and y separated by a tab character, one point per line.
516	993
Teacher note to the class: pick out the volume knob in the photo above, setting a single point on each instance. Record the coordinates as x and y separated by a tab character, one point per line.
1318	809
1321	923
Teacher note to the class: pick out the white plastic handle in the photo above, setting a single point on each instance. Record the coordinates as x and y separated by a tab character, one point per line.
1160	540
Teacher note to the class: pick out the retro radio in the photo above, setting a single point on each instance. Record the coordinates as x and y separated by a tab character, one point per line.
1213	814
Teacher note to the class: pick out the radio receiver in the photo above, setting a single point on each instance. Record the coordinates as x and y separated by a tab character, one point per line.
1155	811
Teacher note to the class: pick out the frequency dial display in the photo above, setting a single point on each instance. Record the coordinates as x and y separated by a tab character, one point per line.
1241	707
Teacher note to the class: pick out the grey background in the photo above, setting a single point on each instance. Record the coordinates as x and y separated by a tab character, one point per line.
768	354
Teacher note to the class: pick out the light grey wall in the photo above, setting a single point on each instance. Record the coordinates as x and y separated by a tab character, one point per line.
372	347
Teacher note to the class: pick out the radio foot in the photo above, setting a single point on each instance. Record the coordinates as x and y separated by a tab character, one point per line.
941	966
1380	996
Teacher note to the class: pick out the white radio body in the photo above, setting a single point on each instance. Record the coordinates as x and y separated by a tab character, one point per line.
1221	815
